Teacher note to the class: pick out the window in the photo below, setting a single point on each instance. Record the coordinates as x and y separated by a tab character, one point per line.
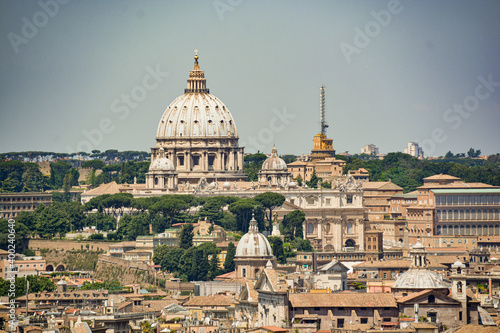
349	199
340	322
196	160
364	321
431	299
181	160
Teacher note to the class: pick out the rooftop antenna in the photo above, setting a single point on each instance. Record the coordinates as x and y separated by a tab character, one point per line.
322	108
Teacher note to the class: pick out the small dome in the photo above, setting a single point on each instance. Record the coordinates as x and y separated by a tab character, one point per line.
458	263
418	278
292	184
274	163
61	283
161	163
226	185
253	243
212	185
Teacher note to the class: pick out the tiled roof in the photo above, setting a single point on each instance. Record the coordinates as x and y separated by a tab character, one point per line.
109	188
215	300
478	329
381	186
396	263
441	177
274	329
350	300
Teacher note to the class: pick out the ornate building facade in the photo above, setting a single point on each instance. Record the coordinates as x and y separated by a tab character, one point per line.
199	137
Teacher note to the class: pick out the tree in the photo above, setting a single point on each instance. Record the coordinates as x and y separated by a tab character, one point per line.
270	201
52	221
186	236
101	221
169	207
21	236
243	210
473	153
277	246
94	164
117	203
449	154
313	182
57	173
292	224
229	261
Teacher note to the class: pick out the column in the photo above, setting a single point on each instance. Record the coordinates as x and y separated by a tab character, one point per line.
188	161
240	160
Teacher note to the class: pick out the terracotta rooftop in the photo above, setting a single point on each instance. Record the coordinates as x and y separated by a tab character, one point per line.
381	186
441	177
478	329
215	300
109	188
349	300
274	329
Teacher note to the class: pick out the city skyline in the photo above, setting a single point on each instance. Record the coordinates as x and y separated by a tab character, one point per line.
394	72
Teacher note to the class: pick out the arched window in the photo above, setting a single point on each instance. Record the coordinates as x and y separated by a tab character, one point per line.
467	214
467	229
350	243
455	214
473	214
310	228
438	215
455	230
450	214
462	230
438	230
462	215
349	228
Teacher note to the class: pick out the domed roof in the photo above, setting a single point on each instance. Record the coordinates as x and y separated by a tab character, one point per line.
253	243
274	163
161	163
419	278
197	113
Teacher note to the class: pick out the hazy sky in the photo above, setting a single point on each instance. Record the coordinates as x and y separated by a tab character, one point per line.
83	75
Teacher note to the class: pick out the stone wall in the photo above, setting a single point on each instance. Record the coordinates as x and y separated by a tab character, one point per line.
65	245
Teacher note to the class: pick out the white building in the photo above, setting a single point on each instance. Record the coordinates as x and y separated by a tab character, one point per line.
414	150
370	149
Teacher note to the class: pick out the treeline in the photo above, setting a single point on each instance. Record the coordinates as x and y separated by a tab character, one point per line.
409	172
16	176
36	284
102	212
110	156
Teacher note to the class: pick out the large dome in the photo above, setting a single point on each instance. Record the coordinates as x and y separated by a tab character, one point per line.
197	113
253	243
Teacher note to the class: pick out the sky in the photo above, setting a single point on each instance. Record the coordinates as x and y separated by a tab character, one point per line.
86	75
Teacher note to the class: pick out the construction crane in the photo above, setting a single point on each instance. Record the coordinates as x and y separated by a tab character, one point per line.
322	108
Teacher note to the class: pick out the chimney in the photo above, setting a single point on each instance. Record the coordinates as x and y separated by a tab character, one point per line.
489	288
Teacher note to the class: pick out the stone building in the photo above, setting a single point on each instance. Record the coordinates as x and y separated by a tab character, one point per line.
199	137
274	171
12	204
253	253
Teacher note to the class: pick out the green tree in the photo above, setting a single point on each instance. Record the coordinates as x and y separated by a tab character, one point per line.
186	236
94	164
473	153
229	261
277	246
313	182
169	207
21	236
292	224
270	201
52	221
57	173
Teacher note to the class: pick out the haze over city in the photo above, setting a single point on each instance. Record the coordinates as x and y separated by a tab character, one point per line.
394	72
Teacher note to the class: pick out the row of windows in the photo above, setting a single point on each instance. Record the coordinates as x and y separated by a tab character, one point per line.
20	199
407	201
480	230
480	214
482	199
